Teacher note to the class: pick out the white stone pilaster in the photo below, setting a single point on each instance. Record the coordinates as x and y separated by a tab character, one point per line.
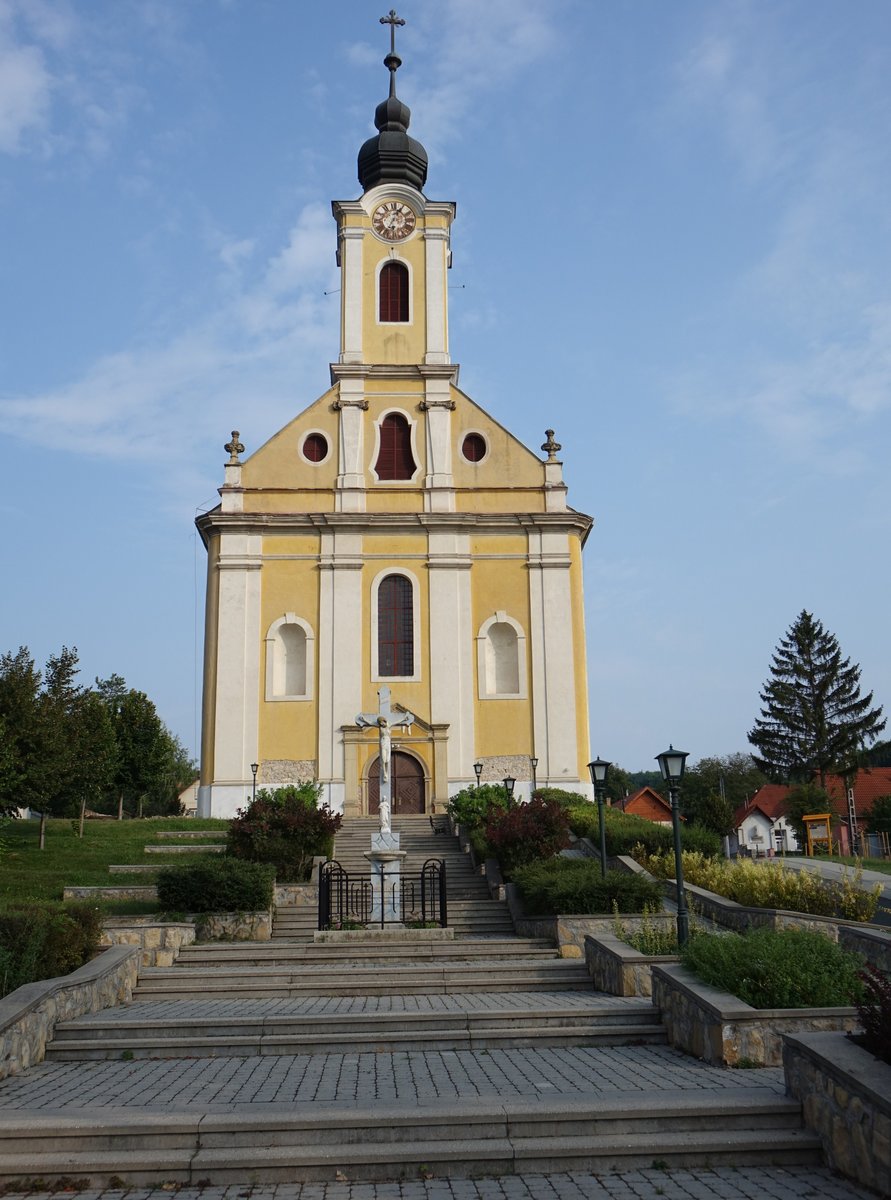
350	486
553	665
439	482
451	646
341	624
436	247
236	718
351	251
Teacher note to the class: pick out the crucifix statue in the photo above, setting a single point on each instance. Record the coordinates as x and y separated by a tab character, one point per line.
385	721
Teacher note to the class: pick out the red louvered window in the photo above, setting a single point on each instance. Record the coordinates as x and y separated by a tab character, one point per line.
395	627
395	459
394	292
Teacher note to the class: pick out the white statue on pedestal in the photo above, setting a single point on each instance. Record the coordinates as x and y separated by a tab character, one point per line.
385	722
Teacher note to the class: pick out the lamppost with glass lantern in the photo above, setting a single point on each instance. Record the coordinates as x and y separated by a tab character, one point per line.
599	769
255	767
671	764
533	763
509	785
477	770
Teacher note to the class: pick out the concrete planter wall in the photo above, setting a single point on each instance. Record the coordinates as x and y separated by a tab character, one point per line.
845	1096
720	1028
570	931
619	969
28	1015
160	942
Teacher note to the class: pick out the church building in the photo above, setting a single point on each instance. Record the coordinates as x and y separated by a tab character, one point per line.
393	544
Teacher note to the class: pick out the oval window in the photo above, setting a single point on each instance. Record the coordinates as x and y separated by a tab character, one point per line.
474	447
315	447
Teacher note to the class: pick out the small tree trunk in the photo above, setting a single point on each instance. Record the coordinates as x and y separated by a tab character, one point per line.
121	806
41	843
139	810
83	809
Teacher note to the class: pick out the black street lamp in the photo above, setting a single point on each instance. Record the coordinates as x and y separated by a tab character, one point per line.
509	785
255	767
599	769
671	764
533	763
477	770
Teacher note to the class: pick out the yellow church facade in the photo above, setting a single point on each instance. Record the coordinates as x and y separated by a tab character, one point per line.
396	536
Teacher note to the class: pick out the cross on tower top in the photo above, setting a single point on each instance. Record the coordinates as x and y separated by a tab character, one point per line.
392	20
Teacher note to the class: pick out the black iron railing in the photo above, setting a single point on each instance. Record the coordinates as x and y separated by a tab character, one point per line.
347	901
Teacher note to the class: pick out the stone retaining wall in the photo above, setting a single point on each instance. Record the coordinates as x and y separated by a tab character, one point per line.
720	1028
158	942
299	895
233	927
845	1096
569	931
28	1015
619	969
121	891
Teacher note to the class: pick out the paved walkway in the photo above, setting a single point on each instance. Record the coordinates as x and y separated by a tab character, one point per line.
409	1076
743	1183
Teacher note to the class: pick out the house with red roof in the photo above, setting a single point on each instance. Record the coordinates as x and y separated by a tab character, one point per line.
646	802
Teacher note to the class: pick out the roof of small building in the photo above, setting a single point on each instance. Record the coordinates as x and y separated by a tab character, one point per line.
868	786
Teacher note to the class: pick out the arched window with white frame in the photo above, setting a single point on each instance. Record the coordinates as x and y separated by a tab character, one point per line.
396	626
501	658
290	659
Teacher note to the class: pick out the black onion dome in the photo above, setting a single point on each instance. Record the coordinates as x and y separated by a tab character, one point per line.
392	156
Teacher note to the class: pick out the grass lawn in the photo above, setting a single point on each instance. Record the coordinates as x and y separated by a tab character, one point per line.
29	873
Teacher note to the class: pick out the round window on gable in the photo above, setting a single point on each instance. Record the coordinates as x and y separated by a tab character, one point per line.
474	447
315	447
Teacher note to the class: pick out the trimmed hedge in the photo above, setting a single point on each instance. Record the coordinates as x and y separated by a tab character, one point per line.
624	830
573	885
218	885
768	968
42	940
472	806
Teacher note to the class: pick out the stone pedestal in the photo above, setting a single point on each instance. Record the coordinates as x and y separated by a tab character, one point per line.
385	858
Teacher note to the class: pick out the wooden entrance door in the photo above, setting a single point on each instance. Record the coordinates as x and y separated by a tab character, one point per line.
407	785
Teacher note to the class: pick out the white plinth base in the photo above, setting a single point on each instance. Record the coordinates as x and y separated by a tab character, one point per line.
385	859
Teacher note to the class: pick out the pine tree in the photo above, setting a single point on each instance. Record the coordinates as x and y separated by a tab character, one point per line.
813	719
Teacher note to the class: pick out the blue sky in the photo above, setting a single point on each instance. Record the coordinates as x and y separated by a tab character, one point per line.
672	247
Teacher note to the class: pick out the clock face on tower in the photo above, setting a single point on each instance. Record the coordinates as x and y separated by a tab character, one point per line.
393	221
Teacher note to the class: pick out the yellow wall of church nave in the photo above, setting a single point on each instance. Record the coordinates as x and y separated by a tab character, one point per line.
503	727
279	463
288	728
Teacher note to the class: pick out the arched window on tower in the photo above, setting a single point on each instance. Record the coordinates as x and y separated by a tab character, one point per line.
395	459
289	659
395	627
393	292
501	658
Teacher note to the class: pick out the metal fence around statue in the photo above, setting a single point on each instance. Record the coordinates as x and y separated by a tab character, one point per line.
346	901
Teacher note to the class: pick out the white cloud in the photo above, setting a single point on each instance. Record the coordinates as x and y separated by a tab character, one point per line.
25	91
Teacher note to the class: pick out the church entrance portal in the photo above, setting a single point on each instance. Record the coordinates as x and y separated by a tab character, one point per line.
407	780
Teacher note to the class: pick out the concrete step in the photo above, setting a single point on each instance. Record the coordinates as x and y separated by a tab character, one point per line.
406	979
458	1140
207	835
140	1037
198	848
222	956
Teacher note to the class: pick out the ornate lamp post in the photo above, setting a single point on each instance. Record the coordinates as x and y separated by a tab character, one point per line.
509	785
671	764
533	763
255	767
477	770
599	769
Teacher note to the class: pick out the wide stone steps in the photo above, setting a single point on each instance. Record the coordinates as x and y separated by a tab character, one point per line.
458	1140
141	1037
419	978
224	955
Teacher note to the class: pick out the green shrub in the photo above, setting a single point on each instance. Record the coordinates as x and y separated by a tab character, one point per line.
659	937
42	940
216	885
470	808
286	828
788	968
567	799
874	1011
769	885
527	832
624	830
575	885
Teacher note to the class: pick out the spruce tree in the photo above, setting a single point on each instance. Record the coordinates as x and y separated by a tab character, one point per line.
813	719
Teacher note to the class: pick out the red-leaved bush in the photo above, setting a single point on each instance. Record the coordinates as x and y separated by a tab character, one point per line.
528	832
285	827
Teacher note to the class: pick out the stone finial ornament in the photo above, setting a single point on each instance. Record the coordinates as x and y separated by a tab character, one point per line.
234	448
551	446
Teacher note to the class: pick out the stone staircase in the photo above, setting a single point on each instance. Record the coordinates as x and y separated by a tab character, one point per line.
401	1055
